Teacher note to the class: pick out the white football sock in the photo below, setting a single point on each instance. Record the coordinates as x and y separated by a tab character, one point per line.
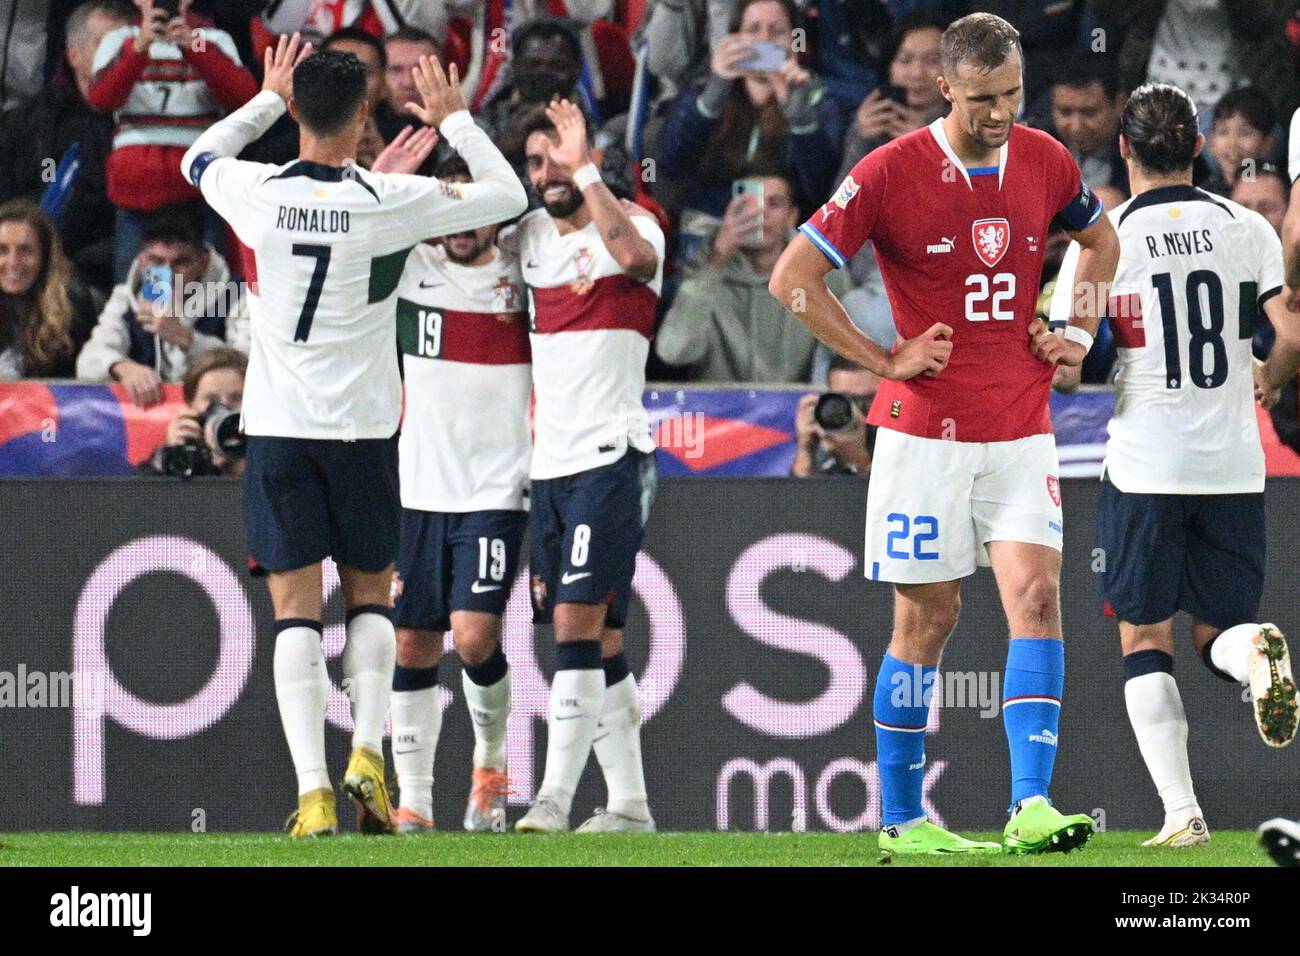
618	748
1155	710
576	698
301	690
1231	651
417	721
368	659
489	709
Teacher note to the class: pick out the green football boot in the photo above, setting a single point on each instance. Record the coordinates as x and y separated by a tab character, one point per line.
1038	827
929	839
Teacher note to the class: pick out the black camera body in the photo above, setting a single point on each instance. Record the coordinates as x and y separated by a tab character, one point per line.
222	432
834	411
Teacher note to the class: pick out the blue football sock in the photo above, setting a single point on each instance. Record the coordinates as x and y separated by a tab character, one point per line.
901	709
1031	712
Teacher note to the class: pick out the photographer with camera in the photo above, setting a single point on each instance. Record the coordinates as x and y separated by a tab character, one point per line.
206	439
831	430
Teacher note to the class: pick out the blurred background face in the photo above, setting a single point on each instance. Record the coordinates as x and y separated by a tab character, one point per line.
545	68
1265	195
915	67
553	184
81	48
1086	119
224	385
1233	139
780	215
853	381
20	257
403	55
369	58
187	261
986	102
464	247
766	22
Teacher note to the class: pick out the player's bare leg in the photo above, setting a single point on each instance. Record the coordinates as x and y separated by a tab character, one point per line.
1028	577
301	691
368	661
924	616
577	694
486	682
618	746
417	721
1155	709
1255	655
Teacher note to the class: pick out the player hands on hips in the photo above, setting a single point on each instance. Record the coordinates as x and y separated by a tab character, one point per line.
594	267
1180	519
965	469
325	244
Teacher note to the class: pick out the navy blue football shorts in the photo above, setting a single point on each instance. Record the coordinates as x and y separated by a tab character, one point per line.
1203	554
455	562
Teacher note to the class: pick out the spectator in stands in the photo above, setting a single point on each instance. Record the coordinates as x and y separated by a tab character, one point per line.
22	52
679	35
167	80
836	451
1263	187
45	314
1050	32
190	449
1244	121
378	18
59	135
723	325
1206	47
370	51
143	344
740	117
402	51
546	62
1085	109
913	71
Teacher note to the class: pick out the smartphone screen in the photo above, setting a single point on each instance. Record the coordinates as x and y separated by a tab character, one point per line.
156	284
751	187
893	92
764	57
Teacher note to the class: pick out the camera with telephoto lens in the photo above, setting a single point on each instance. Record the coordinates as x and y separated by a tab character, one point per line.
834	411
221	432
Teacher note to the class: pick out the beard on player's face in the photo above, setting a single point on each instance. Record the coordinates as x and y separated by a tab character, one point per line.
560	197
464	247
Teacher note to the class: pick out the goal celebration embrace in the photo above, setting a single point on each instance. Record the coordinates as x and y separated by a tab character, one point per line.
880	419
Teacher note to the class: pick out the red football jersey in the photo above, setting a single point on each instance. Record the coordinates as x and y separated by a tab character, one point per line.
963	246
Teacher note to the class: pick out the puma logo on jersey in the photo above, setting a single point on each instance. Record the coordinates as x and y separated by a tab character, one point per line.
943	245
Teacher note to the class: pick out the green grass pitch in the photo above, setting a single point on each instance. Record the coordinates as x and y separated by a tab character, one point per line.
1123	849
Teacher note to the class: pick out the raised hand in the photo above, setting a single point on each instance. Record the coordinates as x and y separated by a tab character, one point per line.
153	26
278	65
571	152
927	354
727	56
439	91
407	152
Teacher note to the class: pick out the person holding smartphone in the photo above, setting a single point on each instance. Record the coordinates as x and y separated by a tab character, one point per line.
757	106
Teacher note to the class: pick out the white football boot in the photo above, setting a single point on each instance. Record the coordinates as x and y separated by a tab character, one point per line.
544	816
603	821
1192	833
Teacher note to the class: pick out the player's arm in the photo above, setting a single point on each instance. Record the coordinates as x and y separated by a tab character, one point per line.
1093	274
1284	358
799	283
1291	250
494	196
632	251
228	136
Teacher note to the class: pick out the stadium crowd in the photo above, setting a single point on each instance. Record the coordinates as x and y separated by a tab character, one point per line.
731	120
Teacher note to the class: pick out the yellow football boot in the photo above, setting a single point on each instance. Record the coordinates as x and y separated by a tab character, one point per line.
315	815
364	783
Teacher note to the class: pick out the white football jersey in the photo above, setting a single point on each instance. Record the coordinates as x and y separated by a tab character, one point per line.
1194	271
1293	147
324	248
591	328
463	333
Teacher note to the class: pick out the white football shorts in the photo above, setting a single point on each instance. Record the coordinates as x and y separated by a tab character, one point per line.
934	505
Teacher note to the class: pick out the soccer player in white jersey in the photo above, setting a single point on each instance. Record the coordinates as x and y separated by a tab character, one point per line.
324	246
462	328
594	267
1180	521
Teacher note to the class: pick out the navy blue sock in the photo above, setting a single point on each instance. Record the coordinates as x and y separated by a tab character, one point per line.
578	656
901	710
1031	712
491	670
414	678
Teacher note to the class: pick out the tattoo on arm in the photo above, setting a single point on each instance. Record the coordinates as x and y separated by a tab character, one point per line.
614	233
